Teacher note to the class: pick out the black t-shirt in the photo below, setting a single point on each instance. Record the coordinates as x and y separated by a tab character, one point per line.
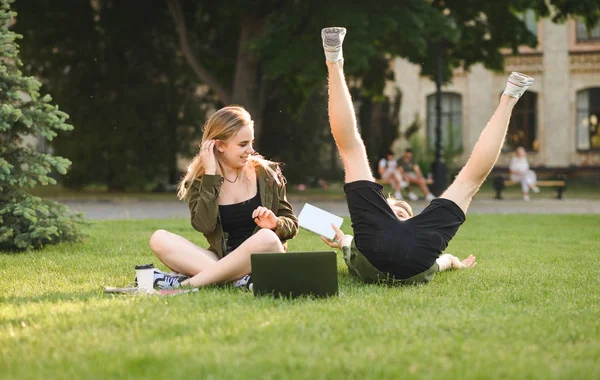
236	220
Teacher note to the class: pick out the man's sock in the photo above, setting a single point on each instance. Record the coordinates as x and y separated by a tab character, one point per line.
517	84
332	43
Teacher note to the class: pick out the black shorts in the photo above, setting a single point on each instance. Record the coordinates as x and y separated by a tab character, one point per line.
401	248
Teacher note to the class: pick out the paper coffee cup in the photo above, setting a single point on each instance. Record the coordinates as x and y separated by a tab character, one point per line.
145	276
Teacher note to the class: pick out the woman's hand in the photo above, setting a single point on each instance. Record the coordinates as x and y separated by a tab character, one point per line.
339	235
207	154
264	218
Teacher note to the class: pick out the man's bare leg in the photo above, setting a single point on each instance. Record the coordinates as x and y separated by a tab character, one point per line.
486	150
342	118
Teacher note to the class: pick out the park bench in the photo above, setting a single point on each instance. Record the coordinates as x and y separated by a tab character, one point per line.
560	184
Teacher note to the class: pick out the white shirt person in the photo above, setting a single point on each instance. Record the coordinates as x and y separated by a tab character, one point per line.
520	172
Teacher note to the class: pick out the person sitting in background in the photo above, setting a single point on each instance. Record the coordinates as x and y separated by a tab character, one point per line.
388	171
411	173
520	172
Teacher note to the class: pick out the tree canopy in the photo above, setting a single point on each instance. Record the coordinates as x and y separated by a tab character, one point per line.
117	64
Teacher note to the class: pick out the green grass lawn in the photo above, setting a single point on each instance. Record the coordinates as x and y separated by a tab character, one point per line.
531	309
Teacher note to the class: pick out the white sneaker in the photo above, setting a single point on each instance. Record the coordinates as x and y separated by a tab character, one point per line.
244	282
403	185
332	43
429	197
536	189
412	196
517	84
398	195
526	198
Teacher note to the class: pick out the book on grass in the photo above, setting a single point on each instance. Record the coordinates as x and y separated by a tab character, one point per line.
121	290
156	292
318	220
175	292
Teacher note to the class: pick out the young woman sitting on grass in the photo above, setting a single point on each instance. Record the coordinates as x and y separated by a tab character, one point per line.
237	199
390	244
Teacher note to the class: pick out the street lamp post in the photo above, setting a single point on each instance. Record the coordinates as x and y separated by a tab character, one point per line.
438	167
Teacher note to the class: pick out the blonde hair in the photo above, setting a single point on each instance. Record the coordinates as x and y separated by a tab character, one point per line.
223	125
400	203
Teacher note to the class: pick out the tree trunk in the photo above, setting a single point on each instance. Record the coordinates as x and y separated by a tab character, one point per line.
173	123
248	87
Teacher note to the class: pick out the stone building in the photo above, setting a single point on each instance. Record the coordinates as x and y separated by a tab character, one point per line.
557	120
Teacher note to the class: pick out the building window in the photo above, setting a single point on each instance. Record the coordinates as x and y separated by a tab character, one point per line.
530	20
586	34
588	115
522	129
451	128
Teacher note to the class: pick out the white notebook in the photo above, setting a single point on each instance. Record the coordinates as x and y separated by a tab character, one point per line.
318	220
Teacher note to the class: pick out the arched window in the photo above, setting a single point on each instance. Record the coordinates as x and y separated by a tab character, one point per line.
588	115
585	34
451	129
530	19
522	129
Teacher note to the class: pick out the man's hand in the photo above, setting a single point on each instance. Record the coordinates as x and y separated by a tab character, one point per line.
339	235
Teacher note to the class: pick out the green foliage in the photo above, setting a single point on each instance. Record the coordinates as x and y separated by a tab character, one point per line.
424	152
30	222
114	66
474	31
302	126
26	221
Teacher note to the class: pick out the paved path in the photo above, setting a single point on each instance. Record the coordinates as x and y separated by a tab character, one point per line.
142	209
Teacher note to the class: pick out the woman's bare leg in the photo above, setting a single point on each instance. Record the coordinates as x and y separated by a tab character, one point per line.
180	254
342	118
237	264
486	150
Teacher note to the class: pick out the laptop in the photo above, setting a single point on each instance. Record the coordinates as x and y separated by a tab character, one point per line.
295	274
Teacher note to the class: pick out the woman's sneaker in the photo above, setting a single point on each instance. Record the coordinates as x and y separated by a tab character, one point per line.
169	281
160	276
244	282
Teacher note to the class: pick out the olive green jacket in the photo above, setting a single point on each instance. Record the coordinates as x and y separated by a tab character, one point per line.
203	203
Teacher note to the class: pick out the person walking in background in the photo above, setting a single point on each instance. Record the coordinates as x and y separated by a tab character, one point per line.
390	244
237	200
520	172
411	173
388	171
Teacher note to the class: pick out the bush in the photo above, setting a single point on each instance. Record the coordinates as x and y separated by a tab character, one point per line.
27	221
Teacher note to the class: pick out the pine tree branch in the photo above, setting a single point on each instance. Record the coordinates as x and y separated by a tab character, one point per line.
199	69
